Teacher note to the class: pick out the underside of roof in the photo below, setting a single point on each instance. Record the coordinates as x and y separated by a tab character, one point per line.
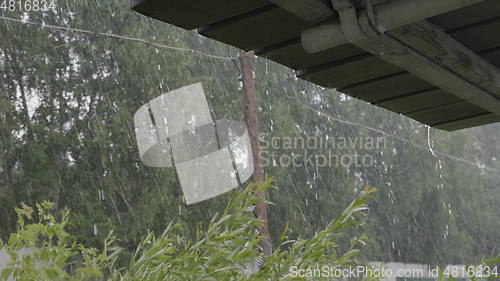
440	69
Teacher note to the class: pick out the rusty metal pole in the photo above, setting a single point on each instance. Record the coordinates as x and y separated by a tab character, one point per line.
252	122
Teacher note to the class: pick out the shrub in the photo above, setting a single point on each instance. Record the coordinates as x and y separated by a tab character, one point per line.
227	249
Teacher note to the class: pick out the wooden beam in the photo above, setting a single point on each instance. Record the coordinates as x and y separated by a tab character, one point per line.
389	15
449	53
432	70
312	11
468	122
421	49
190	14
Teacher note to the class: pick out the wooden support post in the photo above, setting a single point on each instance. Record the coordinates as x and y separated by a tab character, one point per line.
252	121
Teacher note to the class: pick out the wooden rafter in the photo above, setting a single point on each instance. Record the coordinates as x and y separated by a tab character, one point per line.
312	11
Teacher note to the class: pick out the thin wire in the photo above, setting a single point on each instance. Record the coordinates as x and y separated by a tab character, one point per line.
116	36
481	167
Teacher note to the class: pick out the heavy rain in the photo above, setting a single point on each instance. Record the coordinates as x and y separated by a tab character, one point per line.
74	74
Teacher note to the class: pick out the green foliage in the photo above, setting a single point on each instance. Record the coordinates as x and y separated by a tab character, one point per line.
226	249
41	249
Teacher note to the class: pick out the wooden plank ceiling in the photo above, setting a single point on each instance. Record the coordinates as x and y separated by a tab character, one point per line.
275	33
